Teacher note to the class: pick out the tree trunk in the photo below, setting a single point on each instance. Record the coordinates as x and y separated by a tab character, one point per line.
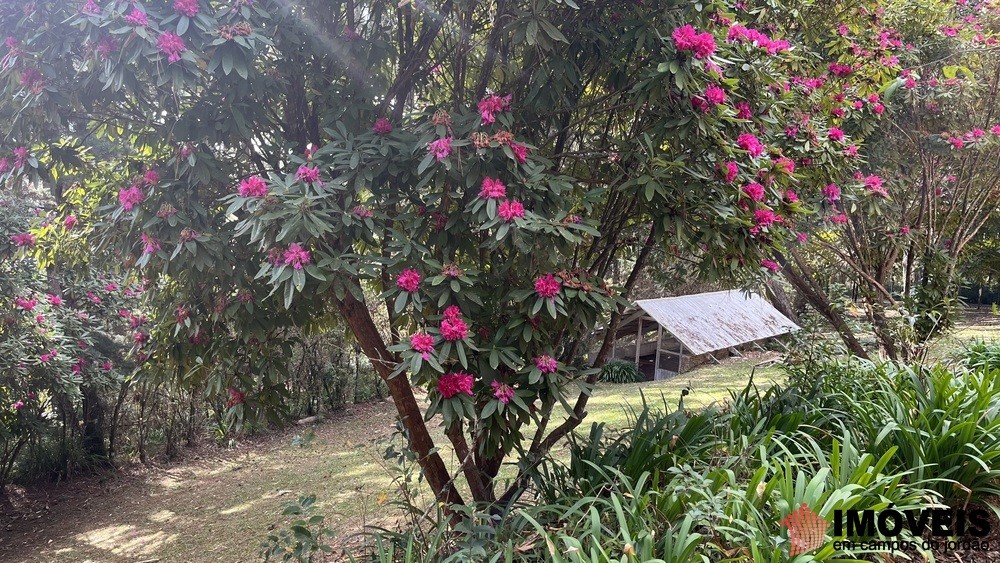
816	297
358	317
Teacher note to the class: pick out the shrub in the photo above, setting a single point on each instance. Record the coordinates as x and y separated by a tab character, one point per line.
621	371
945	425
304	538
982	356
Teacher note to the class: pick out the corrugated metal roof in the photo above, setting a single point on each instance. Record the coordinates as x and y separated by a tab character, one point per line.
706	322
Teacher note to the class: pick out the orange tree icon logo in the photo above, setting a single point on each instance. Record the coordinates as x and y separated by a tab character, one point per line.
806	530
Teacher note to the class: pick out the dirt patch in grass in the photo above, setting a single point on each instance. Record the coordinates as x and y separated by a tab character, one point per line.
216	505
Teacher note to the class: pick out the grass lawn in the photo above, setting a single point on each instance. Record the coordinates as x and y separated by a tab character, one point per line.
216	506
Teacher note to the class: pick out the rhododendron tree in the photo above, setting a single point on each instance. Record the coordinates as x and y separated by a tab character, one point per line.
480	187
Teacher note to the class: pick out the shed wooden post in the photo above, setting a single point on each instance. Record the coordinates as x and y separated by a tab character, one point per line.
638	341
659	342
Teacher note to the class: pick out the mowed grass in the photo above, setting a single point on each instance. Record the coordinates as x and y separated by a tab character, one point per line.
217	506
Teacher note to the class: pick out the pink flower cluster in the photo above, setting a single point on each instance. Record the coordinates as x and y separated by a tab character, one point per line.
25	303
382	126
296	256
770	265
254	186
492	105
687	38
836	134
90	7
171	45
423	343
453	328
440	148
547	286
754	191
137	18
130	197
363	212
503	392
47	357
23	239
546	364
187	8
69	221
874	186
839	69
750	143
492	189
307	174
454	383
409	280
510	209
149	244
731	169
740	34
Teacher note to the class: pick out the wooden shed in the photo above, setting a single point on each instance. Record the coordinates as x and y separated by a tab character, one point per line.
670	335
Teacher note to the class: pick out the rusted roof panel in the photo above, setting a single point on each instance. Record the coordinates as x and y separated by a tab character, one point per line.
706	322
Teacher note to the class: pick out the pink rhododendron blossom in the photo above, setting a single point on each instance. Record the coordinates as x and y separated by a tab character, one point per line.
111	287
423	343
503	392
740	34
492	105
409	280
23	240
382	126
547	286
750	143
791	196
171	45
18	405
510	209
455	383
492	189
784	165
546	364
107	46
440	148
94	298
838	69
137	18
296	256
91	7
20	157
802	237
770	265
26	304
754	191
839	219
307	174
54	300
70	221
130	197
831	192
150	177
836	134
254	186
904	230
149	244
874	186
743	111
520	152
687	38
765	217
730	169
362	211
715	95
187	8
851	150
453	327
235	398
